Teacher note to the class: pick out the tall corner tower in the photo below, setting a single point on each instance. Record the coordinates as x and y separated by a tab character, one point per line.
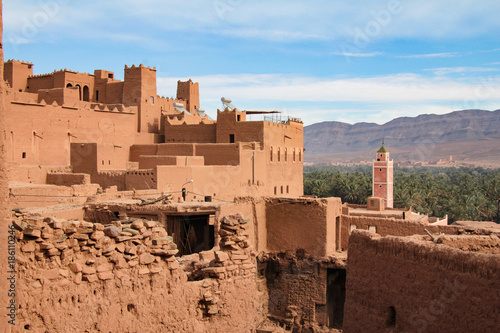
383	177
190	92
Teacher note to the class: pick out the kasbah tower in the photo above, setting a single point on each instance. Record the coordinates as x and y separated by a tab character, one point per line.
383	177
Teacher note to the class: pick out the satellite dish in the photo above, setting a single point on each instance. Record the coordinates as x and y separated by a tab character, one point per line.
226	103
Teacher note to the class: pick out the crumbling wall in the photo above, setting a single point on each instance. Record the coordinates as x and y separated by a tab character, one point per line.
390	226
399	284
125	277
297	284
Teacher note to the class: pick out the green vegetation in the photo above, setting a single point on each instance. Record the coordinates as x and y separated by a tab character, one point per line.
463	194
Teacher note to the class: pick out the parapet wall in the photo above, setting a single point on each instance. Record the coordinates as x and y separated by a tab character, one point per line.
390	226
412	285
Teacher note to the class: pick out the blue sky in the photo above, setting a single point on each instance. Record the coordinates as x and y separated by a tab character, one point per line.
350	61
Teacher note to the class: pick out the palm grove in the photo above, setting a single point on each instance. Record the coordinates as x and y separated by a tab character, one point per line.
462	193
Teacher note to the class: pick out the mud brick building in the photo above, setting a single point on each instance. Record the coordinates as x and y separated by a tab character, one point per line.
133	212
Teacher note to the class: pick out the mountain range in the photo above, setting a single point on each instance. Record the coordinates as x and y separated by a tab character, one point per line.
471	136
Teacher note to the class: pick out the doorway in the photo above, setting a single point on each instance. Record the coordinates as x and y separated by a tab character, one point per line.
335	297
191	233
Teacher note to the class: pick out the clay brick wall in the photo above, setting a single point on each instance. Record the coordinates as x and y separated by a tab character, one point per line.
390	226
302	224
411	285
16	74
68	179
202	133
128	271
298	290
43	134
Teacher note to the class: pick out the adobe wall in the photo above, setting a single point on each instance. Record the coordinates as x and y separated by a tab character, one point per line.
202	133
298	290
152	161
244	131
302	224
391	226
42	134
16	74
5	241
411	285
76	275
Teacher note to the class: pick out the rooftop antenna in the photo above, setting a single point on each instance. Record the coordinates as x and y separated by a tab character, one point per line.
383	141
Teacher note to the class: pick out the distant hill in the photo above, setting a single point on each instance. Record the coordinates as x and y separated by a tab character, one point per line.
469	135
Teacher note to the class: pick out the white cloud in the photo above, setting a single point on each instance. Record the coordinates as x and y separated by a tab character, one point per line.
460	70
358	55
433	55
280	20
391	93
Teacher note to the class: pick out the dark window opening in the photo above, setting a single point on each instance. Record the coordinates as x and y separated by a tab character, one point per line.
281	189
79	92
24	154
20	90
191	233
238	118
231	138
275	190
378	159
335	297
97	95
380	170
69	85
110	75
86	94
391	317
287	189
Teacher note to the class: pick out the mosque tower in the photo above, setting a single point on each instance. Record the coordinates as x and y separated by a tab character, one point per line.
383	177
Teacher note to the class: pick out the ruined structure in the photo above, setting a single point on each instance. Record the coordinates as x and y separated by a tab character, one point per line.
133	212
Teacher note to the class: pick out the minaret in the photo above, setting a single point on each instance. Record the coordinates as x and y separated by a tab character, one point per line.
382	177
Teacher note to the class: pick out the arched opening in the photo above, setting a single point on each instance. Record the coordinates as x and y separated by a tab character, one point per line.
79	91
69	85
86	94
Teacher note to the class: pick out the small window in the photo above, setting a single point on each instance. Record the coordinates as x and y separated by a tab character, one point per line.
380	186
231	138
294	155
152	100
102	162
286	155
287	189
238	118
281	189
279	157
380	170
300	156
24	154
271	157
110	75
109	162
97	95
275	190
353	227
